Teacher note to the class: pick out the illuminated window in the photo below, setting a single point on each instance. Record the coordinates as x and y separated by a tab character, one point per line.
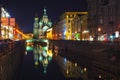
66	16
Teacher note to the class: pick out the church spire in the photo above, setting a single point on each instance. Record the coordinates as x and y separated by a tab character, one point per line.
36	14
44	11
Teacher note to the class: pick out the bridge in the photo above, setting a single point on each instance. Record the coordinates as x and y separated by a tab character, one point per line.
21	33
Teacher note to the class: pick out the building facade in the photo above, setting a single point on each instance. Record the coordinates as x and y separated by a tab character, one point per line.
41	26
104	19
59	30
79	29
9	29
67	24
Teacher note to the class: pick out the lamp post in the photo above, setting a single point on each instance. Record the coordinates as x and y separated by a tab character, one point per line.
99	30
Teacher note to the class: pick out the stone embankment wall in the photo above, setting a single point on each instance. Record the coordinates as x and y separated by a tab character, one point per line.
100	57
11	57
84	46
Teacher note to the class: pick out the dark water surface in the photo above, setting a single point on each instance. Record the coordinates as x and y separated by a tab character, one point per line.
31	72
40	64
43	63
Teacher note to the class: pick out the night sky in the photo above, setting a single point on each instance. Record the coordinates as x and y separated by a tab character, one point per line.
24	10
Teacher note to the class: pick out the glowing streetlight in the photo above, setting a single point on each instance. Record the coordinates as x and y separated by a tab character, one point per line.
99	29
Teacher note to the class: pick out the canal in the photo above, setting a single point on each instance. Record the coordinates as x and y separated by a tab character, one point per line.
40	63
45	62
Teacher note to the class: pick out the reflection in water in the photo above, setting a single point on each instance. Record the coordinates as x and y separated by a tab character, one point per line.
70	69
29	47
25	52
41	55
63	67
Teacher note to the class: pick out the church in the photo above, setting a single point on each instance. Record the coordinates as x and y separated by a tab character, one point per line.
41	25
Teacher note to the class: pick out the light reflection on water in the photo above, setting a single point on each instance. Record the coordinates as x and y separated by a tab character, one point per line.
42	54
70	69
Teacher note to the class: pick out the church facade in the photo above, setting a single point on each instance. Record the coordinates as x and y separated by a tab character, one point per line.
41	25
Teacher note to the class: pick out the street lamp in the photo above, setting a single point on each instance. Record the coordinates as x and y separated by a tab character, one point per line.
99	30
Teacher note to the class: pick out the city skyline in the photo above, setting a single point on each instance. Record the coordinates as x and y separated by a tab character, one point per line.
24	11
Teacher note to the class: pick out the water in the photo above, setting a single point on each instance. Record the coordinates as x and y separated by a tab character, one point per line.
40	64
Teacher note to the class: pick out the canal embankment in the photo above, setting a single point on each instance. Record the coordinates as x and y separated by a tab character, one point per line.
10	59
102	58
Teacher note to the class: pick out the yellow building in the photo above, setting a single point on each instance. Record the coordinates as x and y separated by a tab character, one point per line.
80	30
69	19
49	34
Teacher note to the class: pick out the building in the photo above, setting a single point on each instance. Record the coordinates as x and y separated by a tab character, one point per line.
104	19
36	27
9	28
5	26
49	33
64	28
41	26
59	30
80	30
55	31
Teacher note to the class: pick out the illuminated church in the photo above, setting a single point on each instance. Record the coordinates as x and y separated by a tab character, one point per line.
41	26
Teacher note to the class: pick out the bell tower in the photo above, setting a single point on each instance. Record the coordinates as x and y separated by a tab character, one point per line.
35	29
44	24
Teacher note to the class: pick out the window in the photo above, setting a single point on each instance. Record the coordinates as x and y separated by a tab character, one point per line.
68	21
71	15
